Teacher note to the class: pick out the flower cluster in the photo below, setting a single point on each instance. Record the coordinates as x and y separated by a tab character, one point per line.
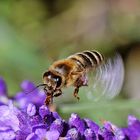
30	120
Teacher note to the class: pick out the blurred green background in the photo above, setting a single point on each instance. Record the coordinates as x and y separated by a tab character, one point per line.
34	33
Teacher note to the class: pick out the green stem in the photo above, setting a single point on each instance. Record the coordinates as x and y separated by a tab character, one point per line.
115	104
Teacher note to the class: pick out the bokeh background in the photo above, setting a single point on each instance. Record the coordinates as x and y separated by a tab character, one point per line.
34	33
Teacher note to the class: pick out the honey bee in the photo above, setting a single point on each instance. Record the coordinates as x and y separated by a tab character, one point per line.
71	71
74	70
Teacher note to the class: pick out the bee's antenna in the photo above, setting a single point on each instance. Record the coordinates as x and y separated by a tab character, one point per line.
40	85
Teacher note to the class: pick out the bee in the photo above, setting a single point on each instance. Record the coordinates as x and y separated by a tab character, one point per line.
71	71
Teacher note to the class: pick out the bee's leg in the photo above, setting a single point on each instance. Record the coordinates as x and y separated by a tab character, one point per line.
57	93
81	81
75	94
49	98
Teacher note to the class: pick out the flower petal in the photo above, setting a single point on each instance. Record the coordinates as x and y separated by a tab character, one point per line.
57	125
52	135
75	121
31	109
32	136
73	134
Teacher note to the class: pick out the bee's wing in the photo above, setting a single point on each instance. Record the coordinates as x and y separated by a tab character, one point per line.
107	80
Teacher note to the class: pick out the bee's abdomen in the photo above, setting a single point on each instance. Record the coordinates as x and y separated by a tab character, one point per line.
95	57
88	59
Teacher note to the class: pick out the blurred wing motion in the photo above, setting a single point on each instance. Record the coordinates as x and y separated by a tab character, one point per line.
107	80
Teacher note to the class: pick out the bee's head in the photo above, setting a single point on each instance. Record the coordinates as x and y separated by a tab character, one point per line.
52	81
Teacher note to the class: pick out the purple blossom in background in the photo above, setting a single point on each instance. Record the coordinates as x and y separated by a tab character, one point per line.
3	92
3	87
31	120
77	122
24	97
133	129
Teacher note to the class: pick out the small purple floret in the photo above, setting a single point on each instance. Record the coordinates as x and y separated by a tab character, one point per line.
32	136
73	134
31	109
133	129
27	86
75	121
89	134
44	111
92	125
56	115
34	120
57	125
117	132
52	135
29	95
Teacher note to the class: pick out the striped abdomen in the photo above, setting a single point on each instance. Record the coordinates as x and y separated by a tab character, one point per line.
87	59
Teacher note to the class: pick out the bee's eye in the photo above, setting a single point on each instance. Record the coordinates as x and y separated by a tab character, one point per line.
58	81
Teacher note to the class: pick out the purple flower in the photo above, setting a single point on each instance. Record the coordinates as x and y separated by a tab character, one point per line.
28	86
52	135
12	120
38	126
44	111
132	120
34	120
3	87
133	129
89	134
117	132
74	134
31	109
32	136
7	134
24	125
31	120
3	92
92	125
40	130
106	134
8	117
24	97
57	125
46	115
56	115
75	121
